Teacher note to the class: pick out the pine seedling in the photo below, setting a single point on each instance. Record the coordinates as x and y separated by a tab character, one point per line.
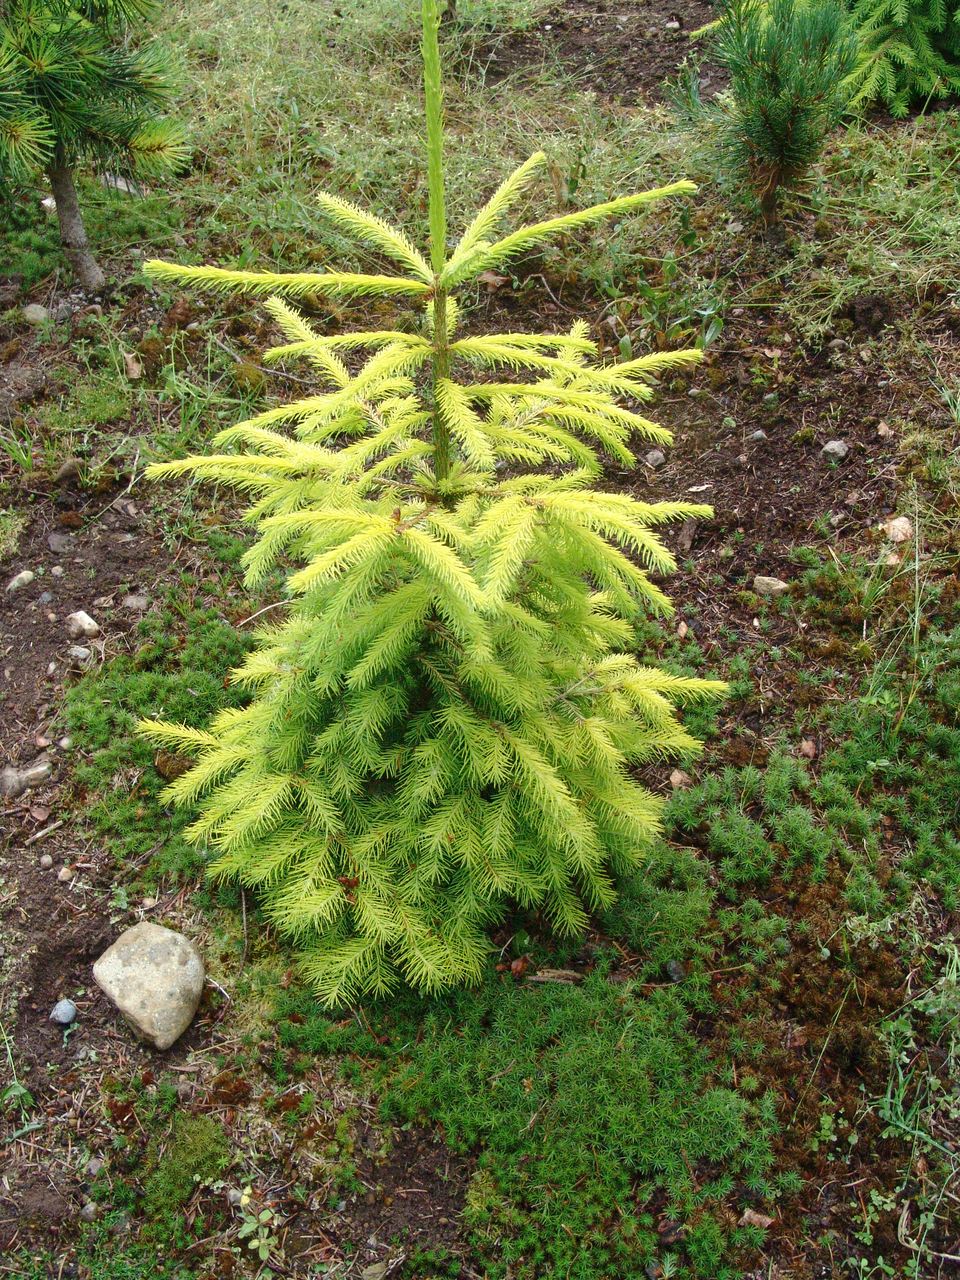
790	64
446	723
74	91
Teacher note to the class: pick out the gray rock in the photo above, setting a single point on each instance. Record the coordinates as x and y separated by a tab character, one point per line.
46	862
21	579
676	972
13	781
154	976
80	655
89	1212
59	542
81	624
65	744
138	603
95	1166
765	586
46	597
835	450
34	314
655	458
63	1013
757	437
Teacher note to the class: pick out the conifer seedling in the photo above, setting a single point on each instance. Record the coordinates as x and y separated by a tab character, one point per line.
445	724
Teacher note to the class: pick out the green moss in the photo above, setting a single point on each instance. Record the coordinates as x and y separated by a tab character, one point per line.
196	1151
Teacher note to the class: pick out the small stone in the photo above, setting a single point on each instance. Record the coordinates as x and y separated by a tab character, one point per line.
65	874
21	579
80	655
155	977
45	597
148	903
807	749
675	971
672	26
81	624
885	431
89	1212
59	543
51	668
63	1013
835	450
137	603
65	744
95	1166
899	529
35	315
655	458
46	862
765	586
234	1197
375	1272
679	780
757	437
57	571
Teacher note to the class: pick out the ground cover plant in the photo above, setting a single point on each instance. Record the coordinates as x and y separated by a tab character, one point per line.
746	1065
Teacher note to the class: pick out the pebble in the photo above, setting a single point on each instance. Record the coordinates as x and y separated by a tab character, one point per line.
57	571
64	1012
835	450
885	431
89	1212
137	603
234	1197
679	780
59	543
758	436
765	586
81	624
51	668
34	314
655	458
65	874
65	744
80	655
46	862
22	579
675	971
46	597
95	1166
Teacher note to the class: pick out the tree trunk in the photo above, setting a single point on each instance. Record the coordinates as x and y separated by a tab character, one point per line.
73	235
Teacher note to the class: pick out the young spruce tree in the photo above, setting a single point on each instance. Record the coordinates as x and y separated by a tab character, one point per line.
447	720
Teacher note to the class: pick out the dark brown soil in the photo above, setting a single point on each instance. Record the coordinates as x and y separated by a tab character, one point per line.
623	50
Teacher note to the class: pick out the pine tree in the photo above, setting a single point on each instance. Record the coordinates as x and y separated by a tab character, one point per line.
911	52
446	722
789	63
73	91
